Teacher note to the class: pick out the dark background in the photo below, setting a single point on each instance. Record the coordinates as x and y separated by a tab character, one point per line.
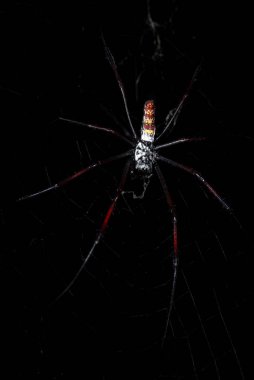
111	323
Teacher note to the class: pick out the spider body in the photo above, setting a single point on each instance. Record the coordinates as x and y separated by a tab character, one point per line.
145	154
145	157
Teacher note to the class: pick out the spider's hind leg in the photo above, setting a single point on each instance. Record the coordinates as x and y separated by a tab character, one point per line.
100	233
174	254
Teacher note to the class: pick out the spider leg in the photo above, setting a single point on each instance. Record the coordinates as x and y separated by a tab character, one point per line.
96	127
199	177
101	230
180	141
120	83
175	247
76	175
172	120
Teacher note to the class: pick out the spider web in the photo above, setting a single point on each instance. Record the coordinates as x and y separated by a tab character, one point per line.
110	324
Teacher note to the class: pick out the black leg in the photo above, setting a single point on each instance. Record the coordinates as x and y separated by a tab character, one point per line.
119	81
180	141
76	175
176	112
175	248
199	177
96	127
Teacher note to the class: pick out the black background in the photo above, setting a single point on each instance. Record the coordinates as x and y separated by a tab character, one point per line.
111	323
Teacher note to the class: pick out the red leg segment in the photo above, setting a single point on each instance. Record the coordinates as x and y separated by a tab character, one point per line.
101	231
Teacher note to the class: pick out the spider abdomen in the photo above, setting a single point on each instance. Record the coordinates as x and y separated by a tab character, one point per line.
148	125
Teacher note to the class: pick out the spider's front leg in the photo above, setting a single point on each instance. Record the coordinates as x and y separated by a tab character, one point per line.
120	84
173	117
109	131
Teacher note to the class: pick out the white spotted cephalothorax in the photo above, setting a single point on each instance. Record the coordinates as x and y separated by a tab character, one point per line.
144	152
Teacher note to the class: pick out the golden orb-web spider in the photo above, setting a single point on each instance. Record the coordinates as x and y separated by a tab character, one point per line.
145	158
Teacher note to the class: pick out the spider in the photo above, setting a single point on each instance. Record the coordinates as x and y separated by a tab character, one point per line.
144	157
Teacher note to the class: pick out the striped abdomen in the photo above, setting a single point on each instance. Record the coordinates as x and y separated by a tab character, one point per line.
148	126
